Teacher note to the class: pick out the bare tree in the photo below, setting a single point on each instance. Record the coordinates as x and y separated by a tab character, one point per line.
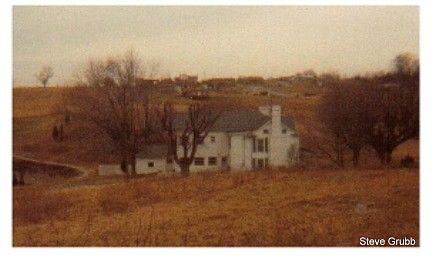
395	101
109	98
45	75
186	132
406	63
324	144
346	113
395	120
332	113
357	117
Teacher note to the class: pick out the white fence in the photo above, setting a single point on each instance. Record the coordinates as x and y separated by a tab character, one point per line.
109	170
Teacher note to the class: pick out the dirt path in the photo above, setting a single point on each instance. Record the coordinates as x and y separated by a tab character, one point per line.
81	180
83	171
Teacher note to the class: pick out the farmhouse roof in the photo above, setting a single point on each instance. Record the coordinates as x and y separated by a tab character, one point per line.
235	121
154	151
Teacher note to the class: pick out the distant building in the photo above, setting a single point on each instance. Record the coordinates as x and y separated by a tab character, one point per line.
147	83
220	83
184	78
248	80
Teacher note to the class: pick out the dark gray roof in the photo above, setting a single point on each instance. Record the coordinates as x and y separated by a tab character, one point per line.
288	121
235	121
154	151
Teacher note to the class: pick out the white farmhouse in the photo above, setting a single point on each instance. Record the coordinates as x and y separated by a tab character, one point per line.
239	140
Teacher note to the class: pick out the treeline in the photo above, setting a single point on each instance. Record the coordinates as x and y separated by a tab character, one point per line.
380	111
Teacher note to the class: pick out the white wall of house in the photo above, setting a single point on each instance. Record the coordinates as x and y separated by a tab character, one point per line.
279	144
284	153
109	170
237	152
241	151
215	145
150	165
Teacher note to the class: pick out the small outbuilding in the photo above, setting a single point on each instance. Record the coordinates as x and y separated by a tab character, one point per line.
154	159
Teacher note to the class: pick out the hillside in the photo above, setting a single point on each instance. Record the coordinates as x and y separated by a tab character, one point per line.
249	209
313	205
37	110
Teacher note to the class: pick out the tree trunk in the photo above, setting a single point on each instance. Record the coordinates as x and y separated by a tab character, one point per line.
385	158
340	157
339	150
21	178
388	157
125	165
356	157
184	169
381	156
133	165
15	179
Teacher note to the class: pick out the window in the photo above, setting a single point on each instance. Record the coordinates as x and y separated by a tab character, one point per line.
254	145
200	140
284	131
265	131
212	161
260	145
184	140
266	160
266	145
199	161
150	164
212	139
253	163
260	163
224	160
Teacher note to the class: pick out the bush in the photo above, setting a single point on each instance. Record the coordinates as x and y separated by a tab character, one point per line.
407	161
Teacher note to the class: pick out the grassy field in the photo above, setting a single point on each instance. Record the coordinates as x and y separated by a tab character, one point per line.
313	205
269	208
35	112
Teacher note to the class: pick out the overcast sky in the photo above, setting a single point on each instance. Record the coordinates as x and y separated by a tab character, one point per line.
214	41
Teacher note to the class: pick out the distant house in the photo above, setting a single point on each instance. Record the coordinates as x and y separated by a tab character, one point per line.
239	140
186	85
146	83
250	80
258	90
184	78
220	83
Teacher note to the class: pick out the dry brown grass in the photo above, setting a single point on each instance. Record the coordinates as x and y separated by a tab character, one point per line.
37	205
273	208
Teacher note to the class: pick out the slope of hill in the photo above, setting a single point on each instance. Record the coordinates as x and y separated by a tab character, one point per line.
285	207
279	208
37	110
